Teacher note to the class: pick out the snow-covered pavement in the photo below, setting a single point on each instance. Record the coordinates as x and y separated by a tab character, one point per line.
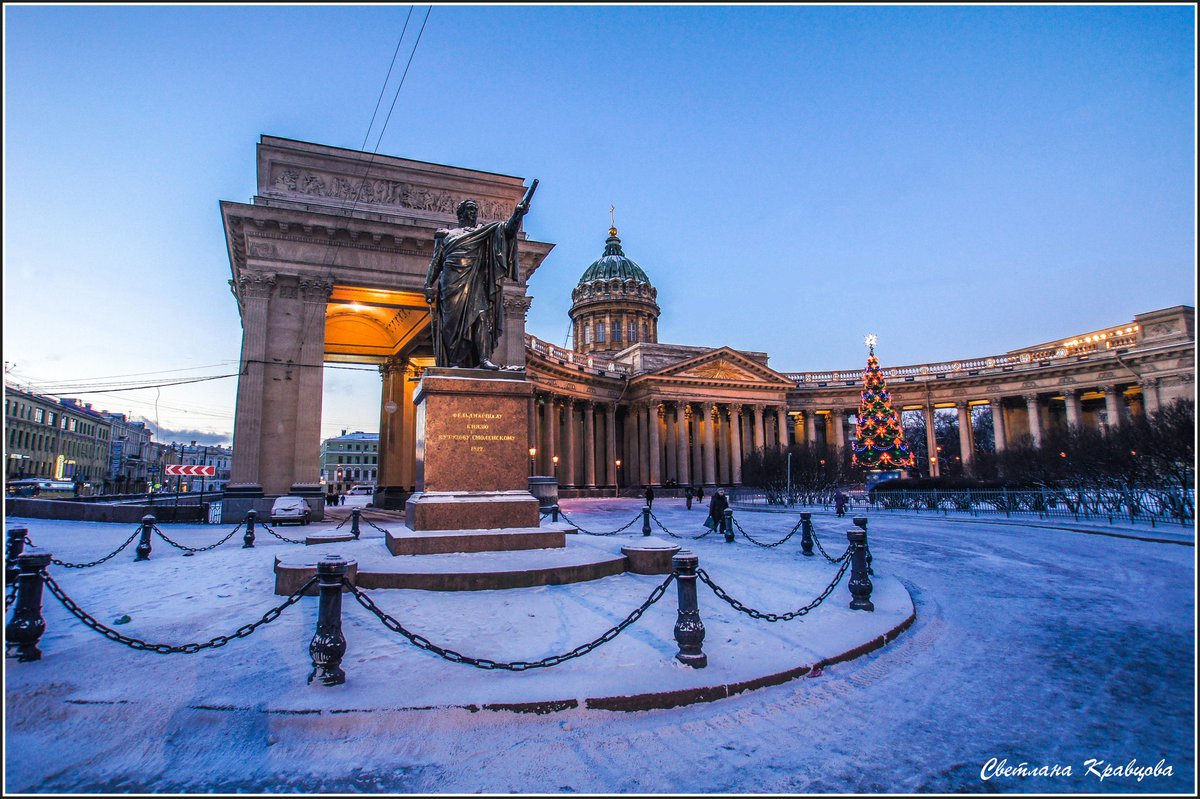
1032	645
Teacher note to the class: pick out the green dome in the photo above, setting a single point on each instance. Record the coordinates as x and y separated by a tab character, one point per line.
613	264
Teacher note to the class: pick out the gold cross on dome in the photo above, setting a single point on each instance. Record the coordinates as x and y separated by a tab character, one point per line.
612	214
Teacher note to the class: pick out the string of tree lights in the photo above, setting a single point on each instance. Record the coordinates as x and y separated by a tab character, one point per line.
880	440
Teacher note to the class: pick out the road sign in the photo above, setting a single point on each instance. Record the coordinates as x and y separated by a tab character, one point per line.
390	406
176	469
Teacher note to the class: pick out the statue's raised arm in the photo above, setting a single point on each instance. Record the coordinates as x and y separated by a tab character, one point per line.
522	208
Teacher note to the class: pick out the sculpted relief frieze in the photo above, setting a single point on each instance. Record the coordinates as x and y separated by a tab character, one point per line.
378	191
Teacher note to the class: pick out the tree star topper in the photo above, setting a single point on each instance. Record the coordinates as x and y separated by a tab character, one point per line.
871	340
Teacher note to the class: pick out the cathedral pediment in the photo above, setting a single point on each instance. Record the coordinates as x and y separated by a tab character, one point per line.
724	365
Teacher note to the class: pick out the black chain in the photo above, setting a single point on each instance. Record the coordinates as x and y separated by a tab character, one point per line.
373	524
168	649
825	554
761	544
589	532
109	556
264	526
177	545
343	523
676	535
757	614
11	596
519	665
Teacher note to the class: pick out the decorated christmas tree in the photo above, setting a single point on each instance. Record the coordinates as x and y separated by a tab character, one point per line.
880	443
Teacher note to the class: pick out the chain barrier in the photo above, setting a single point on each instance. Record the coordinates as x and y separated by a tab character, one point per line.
571	522
825	554
373	524
748	537
168	649
109	556
663	527
11	596
758	614
264	526
342	523
518	665
177	545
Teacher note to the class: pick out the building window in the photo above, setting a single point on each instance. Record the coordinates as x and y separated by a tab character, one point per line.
616	333
39	415
645	332
599	332
632	332
587	334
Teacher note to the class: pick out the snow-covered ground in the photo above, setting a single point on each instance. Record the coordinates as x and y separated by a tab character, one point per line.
1032	645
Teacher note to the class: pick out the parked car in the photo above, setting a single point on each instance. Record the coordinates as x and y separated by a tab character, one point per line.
291	509
361	491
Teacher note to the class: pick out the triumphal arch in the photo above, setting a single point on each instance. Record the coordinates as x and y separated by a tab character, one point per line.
328	264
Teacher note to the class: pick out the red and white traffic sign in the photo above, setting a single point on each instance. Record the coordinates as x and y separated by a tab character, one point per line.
176	469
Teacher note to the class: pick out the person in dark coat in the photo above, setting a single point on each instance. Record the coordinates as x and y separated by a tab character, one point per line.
716	510
839	502
700	494
649	497
687	495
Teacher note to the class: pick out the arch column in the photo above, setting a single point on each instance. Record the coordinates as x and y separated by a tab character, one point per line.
1150	399
997	405
1113	403
781	426
735	444
760	437
966	448
681	443
1073	407
935	465
254	293
1035	418
589	444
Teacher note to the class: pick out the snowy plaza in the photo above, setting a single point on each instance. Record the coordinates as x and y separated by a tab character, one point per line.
1037	649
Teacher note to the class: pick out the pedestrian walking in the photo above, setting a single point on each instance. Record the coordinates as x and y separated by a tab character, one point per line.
687	495
839	502
700	494
716	511
649	497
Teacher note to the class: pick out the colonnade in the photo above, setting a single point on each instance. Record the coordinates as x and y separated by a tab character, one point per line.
653	441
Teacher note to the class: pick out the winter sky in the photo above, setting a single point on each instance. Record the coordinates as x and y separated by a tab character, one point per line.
959	181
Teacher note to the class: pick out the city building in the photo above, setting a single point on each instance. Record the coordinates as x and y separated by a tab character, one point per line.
621	408
60	439
129	460
348	460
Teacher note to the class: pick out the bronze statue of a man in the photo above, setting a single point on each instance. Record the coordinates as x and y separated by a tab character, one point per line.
463	285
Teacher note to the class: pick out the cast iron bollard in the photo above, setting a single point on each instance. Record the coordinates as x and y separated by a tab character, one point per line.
806	534
143	547
355	513
248	538
646	520
861	523
689	630
860	583
328	644
554	513
25	629
13	550
728	522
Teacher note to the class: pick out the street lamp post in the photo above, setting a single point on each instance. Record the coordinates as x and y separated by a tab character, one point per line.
555	461
532	455
617	487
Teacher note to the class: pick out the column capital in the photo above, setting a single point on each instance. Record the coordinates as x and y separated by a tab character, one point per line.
1030	399
962	405
995	400
735	407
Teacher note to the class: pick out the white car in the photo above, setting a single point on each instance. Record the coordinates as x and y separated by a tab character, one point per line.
291	509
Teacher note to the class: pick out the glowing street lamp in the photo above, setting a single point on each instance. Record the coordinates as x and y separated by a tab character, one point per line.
532	455
617	487
555	460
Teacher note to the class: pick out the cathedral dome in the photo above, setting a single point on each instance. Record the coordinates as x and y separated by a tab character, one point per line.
614	264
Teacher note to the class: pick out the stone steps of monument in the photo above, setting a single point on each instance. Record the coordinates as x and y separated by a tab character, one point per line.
403	541
460	571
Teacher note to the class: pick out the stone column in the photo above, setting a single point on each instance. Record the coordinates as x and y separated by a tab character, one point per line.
735	444
810	425
781	426
760	437
669	448
567	463
935	464
710	451
966	447
1150	400
697	444
610	443
653	439
589	444
798	426
549	428
1114	403
391	425
997	406
681	443
533	423
837	418
306	453
253	291
1073	407
1035	419
721	438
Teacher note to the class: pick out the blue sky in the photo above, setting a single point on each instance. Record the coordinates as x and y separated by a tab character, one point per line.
960	181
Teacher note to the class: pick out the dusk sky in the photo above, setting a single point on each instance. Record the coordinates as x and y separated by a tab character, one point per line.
959	181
